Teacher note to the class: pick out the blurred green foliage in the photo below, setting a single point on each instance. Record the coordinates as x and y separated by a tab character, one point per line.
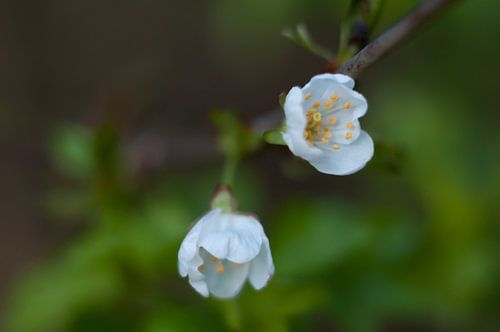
410	241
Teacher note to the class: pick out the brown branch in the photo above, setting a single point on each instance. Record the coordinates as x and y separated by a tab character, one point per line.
155	151
394	36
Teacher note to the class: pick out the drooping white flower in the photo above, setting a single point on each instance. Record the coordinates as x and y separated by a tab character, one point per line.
323	127
222	250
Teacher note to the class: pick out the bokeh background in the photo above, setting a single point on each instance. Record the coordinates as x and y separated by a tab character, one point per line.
109	153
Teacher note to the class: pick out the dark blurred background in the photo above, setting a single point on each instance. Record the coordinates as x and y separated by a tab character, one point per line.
109	154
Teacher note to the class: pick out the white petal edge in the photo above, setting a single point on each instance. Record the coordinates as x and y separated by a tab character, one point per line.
200	286
233	237
296	123
262	268
345	80
348	159
189	246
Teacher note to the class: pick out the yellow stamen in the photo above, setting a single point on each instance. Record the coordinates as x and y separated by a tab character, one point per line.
214	259
326	129
308	96
350	125
348	135
336	146
332	120
201	268
334	98
324	140
347	105
235	266
328	104
316	105
328	134
317	117
219	268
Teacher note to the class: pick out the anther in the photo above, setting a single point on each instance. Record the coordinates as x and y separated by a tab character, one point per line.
347	105
316	105
348	135
332	120
214	259
334	98
308	96
219	268
328	104
350	125
324	140
201	268
336	146
317	117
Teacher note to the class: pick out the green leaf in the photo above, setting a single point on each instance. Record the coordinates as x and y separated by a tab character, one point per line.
300	35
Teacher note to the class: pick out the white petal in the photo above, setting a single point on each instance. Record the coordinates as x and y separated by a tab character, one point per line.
189	246
296	123
234	237
262	267
340	78
340	133
348	159
200	286
358	103
226	283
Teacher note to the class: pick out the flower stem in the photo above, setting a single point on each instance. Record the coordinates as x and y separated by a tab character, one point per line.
229	170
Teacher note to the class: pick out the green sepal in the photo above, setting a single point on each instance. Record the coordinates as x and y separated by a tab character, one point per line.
275	136
282	98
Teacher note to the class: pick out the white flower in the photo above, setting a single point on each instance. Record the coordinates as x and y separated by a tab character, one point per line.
221	250
323	127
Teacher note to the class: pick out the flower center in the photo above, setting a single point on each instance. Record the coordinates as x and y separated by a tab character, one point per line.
216	264
320	120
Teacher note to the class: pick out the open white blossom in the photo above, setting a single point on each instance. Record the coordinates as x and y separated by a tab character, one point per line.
323	127
222	250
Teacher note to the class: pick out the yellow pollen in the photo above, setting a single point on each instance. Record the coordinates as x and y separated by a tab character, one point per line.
350	125
348	135
328	104
316	105
328	134
219	268
332	120
317	117
214	259
334	98
324	140
235	266
326	129
308	96
310	112
347	105
336	146
201	268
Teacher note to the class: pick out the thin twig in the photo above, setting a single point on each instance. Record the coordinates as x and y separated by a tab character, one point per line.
393	36
159	153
